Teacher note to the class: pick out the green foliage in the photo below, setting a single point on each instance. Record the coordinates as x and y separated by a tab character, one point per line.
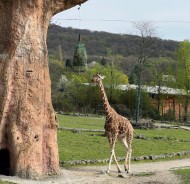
70	96
148	110
183	73
56	68
125	105
77	98
78	94
119	76
114	76
154	70
78	78
169	116
183	65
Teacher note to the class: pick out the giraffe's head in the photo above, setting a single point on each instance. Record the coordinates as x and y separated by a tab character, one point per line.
96	78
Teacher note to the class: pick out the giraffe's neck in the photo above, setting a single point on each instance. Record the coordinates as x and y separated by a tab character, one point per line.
106	104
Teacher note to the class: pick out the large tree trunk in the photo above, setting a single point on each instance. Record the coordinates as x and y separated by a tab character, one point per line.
28	128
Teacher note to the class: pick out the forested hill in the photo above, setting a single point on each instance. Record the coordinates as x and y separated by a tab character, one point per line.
98	43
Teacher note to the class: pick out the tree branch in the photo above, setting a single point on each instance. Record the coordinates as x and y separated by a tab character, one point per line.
60	5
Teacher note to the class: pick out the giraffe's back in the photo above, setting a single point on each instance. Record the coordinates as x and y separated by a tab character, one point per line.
117	124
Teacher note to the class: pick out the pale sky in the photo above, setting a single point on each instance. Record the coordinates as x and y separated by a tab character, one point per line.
170	17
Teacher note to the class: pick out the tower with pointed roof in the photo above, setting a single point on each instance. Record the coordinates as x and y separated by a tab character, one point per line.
80	57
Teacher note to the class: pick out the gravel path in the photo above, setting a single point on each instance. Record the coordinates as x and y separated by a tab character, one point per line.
153	173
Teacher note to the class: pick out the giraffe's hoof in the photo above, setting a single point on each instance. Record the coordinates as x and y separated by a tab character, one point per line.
108	172
120	175
127	170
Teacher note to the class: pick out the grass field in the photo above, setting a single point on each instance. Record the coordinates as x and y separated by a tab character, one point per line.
81	122
5	182
90	145
184	174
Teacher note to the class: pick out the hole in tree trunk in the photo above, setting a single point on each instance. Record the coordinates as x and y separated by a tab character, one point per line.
4	162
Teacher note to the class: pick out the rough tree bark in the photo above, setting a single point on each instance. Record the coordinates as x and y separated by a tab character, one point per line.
28	128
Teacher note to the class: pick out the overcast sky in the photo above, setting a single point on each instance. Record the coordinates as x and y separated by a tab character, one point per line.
170	17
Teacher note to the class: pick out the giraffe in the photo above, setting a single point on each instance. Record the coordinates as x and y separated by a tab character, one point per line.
116	127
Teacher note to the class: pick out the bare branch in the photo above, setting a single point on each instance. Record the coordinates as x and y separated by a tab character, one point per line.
145	28
146	31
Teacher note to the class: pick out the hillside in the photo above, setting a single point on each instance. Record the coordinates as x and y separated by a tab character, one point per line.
97	43
62	41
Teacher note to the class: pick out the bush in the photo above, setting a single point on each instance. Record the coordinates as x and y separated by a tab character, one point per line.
122	109
153	113
169	116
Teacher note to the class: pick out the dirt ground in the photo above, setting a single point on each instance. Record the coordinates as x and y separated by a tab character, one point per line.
142	173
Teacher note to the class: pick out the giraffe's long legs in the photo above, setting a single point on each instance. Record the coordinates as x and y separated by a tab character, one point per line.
128	155
118	168
112	145
129	159
110	161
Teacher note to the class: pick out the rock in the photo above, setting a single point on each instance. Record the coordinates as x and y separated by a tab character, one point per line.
141	136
